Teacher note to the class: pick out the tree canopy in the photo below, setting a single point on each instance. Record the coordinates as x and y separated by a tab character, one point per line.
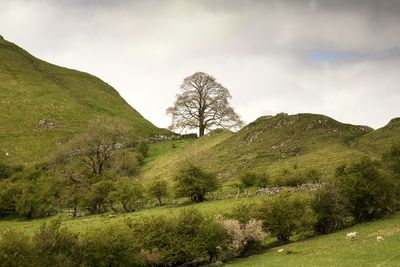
204	104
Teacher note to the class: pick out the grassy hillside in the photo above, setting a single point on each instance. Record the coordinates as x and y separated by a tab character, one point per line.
32	90
379	141
334	250
269	144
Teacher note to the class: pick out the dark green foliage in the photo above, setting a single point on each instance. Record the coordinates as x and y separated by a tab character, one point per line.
128	194
391	161
195	183
158	189
286	215
244	212
250	179
56	246
369	191
190	239
142	148
296	177
15	249
111	246
331	210
96	200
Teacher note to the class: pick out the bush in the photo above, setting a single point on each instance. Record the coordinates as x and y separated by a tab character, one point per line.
189	239
294	178
110	246
244	212
253	179
286	215
15	249
370	193
97	199
242	237
56	246
331	209
128	194
194	183
158	189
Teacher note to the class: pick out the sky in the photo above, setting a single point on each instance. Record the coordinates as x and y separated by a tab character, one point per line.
338	58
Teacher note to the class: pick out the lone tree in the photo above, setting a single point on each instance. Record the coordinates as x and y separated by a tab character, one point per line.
204	104
195	183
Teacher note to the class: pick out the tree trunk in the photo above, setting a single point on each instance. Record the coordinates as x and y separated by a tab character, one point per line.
159	201
201	130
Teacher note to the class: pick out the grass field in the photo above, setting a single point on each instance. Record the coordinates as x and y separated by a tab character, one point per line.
85	223
334	250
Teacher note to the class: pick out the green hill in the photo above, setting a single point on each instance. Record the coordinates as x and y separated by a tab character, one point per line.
272	144
379	141
334	250
43	104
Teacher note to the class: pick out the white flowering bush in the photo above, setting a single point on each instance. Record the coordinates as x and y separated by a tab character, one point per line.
242	237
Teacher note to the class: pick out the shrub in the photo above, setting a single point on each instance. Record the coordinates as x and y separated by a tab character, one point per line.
110	246
97	199
128	194
244	212
195	183
158	189
253	179
286	215
242	237
15	249
331	210
56	246
370	193
189	239
294	178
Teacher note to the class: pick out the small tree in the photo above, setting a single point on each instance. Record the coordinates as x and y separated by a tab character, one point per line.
194	183
128	194
331	210
203	104
285	215
369	191
96	147
158	189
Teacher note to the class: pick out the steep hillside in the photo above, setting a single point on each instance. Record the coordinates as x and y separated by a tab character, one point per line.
42	104
379	141
269	144
272	143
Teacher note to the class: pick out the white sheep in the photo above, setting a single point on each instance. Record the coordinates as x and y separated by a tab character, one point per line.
379	238
351	236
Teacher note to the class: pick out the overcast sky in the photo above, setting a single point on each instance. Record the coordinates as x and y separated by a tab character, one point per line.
338	58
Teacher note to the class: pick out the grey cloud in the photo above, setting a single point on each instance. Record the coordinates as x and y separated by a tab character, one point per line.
258	49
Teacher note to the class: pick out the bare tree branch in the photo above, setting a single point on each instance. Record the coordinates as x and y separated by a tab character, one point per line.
203	104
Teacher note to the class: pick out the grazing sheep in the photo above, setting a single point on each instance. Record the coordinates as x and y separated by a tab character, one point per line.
379	238
351	236
281	250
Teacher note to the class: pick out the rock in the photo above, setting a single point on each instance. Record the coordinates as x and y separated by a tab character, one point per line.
46	123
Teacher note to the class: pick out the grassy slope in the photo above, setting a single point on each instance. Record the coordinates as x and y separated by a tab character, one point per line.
334	250
269	144
32	90
164	160
83	224
379	141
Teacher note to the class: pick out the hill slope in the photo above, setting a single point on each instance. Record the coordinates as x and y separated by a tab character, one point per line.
42	104
274	143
